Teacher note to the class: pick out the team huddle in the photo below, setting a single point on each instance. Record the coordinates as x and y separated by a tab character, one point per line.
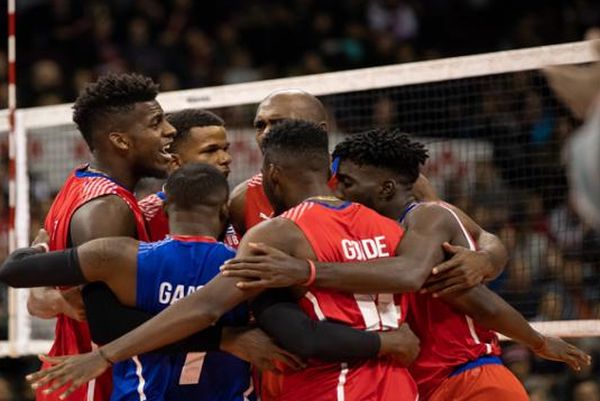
324	277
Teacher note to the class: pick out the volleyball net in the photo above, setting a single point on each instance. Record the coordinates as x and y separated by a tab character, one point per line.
495	133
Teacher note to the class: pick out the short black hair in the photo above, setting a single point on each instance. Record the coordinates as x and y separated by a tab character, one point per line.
111	93
297	140
196	184
186	119
384	148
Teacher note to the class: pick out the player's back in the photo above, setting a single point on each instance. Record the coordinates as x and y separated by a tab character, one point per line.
168	271
343	233
463	341
71	336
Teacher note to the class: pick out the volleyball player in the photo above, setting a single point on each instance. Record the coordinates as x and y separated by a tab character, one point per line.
459	354
126	132
201	138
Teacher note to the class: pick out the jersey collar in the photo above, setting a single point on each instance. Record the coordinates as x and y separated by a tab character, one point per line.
192	238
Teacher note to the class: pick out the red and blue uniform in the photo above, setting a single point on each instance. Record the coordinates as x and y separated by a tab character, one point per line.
459	359
345	233
71	336
158	224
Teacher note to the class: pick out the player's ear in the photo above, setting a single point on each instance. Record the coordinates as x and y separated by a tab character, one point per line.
273	172
120	140
224	212
165	207
175	162
388	189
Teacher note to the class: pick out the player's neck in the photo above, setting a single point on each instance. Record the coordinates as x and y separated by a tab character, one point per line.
394	209
189	223
117	169
308	190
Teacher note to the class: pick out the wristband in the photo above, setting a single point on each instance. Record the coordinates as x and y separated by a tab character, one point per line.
312	275
103	356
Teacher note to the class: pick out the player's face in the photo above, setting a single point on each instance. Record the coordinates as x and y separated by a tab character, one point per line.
206	145
150	136
268	114
358	184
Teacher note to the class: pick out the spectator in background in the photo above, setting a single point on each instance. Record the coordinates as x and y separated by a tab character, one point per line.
6	390
588	390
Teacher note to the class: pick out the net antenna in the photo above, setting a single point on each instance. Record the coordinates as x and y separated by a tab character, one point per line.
424	91
19	328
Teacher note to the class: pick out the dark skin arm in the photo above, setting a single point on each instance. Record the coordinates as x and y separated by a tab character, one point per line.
403	273
112	262
237	205
89	222
189	315
466	267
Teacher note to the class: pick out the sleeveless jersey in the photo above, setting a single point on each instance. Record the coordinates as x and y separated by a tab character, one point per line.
256	207
449	338
71	336
158	223
168	271
345	233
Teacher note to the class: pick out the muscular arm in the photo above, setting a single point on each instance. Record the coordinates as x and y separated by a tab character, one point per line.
419	250
108	216
490	245
237	205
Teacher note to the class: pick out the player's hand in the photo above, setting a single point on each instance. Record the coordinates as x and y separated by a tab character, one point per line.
42	237
464	270
267	267
556	349
71	304
254	346
402	345
68	372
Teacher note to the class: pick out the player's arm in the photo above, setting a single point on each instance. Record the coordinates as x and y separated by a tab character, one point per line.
279	315
191	314
112	260
465	266
420	249
88	222
492	312
237	208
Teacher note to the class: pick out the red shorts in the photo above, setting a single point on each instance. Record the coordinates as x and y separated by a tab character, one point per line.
484	383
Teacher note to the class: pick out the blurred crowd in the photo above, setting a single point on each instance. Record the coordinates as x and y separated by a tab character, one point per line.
188	44
518	190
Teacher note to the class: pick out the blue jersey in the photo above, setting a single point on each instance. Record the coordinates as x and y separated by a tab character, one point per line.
168	271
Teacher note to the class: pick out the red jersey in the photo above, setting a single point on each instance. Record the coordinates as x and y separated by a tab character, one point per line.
256	207
156	218
71	336
345	233
448	337
158	223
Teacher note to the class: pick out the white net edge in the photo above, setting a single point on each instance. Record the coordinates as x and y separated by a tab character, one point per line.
346	81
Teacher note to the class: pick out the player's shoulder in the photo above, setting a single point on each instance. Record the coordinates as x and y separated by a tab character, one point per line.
430	213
